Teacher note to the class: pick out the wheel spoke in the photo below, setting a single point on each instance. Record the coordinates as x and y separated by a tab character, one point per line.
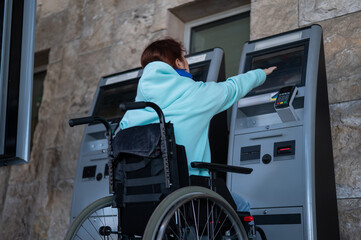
195	219
207	224
219	229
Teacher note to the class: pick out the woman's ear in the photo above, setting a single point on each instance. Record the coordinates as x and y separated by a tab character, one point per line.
179	64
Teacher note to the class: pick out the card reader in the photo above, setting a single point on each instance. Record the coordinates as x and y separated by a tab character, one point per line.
284	104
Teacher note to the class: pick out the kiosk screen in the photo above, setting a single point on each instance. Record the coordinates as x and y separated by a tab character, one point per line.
110	96
199	71
290	62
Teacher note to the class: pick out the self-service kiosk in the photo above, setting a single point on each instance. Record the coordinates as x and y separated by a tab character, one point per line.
92	176
282	130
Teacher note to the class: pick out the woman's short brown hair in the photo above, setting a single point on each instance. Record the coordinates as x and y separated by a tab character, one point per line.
165	50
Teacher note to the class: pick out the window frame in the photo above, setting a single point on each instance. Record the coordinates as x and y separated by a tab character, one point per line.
211	18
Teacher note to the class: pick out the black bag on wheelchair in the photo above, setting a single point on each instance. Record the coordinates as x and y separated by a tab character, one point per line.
139	173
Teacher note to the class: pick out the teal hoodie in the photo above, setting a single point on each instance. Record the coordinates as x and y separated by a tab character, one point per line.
188	104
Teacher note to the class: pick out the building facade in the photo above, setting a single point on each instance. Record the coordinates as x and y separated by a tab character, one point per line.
79	41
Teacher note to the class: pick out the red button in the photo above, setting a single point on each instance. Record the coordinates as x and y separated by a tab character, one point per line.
248	218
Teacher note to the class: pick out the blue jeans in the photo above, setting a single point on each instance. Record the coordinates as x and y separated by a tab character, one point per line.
241	203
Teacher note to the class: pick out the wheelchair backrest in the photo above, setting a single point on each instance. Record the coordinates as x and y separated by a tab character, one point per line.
139	176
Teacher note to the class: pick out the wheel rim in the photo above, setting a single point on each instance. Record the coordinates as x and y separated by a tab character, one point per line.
199	217
101	222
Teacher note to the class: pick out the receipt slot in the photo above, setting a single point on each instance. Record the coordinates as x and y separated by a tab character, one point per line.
92	176
282	130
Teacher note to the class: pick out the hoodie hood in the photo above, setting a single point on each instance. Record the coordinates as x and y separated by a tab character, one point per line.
160	84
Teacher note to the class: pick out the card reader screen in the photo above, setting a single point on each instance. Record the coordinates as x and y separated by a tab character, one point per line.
290	64
284	97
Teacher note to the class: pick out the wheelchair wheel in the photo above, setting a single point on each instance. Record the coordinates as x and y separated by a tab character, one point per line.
194	213
97	221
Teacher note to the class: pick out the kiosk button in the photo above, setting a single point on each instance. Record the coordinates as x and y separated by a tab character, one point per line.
99	176
266	159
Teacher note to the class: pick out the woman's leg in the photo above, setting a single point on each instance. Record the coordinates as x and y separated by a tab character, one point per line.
241	203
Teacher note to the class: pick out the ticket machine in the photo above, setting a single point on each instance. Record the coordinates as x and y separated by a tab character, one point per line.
282	130
92	176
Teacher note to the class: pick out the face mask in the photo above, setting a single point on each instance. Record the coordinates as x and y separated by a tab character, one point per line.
184	73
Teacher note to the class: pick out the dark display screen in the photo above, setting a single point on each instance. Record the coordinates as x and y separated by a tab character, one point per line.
110	96
199	71
290	63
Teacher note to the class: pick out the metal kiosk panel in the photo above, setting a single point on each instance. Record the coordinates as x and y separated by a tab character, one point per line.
292	188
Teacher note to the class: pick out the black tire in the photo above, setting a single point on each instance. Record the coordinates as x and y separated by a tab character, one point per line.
194	213
97	221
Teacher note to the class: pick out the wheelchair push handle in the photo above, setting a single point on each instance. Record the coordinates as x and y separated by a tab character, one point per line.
91	119
140	105
80	121
132	105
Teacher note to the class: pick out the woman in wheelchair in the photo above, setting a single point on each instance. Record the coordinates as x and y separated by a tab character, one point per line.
189	105
160	174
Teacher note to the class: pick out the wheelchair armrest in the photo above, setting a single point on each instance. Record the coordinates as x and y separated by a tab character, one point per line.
216	167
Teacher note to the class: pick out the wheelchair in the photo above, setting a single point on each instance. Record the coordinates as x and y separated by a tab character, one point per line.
152	195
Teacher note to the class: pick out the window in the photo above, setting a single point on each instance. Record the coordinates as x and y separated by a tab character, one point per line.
41	60
16	78
228	30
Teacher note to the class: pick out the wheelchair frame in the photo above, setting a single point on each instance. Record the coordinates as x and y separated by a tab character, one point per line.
173	210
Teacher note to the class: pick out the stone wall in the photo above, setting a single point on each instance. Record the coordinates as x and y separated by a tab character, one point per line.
341	23
89	39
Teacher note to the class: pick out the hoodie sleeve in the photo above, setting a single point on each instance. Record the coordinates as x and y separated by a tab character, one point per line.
225	94
238	86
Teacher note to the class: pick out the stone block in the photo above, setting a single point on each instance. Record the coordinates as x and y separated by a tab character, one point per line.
349	214
49	7
4	178
50	84
55	54
161	10
49	31
52	222
75	20
126	5
126	56
17	212
25	173
133	24
312	11
97	25
342	41
59	219
67	77
273	17
70	148
133	32
160	18
90	67
346	139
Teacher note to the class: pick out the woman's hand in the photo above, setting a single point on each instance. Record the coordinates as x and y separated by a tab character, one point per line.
269	70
